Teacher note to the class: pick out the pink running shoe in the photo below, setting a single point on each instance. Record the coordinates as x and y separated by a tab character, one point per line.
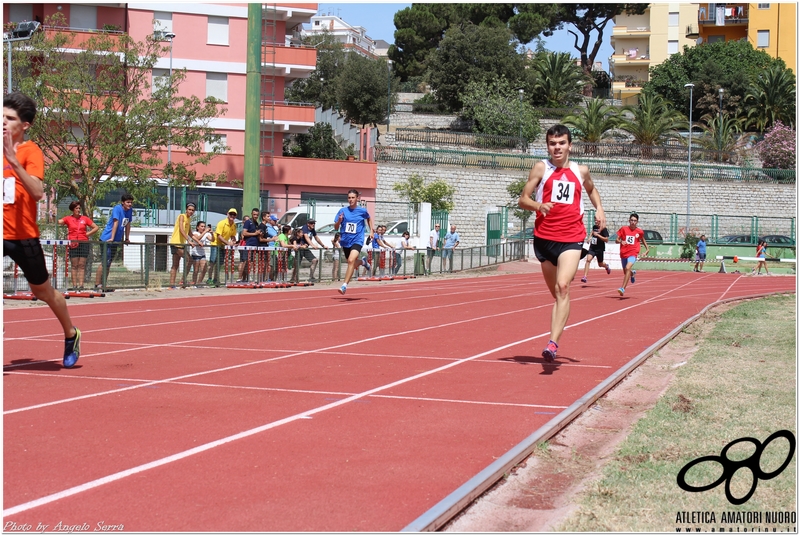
551	352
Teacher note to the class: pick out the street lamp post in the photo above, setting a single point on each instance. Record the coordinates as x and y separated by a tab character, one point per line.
23	32
690	139
521	114
388	104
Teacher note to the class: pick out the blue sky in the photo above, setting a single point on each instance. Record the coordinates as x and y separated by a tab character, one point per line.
378	19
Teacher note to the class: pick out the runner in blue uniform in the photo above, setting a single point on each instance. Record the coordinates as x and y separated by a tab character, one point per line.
350	223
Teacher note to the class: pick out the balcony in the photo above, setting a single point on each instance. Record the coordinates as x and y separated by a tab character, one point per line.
79	36
291	62
724	15
692	31
631	31
630	58
312	172
289	117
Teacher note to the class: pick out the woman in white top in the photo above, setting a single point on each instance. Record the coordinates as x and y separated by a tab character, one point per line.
405	243
204	236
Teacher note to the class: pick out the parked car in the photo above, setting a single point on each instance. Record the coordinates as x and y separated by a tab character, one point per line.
743	239
653	237
528	234
779	240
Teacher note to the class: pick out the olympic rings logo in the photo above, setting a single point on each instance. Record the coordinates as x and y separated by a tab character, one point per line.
731	467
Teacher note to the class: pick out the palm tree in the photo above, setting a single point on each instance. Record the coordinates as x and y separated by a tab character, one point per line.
560	81
772	98
593	124
721	134
653	120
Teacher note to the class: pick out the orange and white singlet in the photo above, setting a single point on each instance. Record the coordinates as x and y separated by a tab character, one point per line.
562	186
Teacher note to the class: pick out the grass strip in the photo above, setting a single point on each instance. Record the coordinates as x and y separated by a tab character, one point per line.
741	382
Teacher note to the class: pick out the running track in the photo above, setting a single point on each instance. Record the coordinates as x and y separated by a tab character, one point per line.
303	410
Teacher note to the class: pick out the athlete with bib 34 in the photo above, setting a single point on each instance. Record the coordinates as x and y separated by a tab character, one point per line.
558	186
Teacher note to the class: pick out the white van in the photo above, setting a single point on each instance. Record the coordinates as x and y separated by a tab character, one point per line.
299	215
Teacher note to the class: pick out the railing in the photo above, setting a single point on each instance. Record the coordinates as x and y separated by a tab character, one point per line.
467	139
147	266
611	167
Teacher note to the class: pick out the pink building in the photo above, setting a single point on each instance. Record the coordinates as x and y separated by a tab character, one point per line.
210	42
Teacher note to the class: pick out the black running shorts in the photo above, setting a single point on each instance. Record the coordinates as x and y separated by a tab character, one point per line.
29	256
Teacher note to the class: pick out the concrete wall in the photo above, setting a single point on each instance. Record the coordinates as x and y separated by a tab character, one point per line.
478	192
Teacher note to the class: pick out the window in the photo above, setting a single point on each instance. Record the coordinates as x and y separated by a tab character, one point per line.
162	22
160	79
20	12
674	47
216	85
762	39
715	38
674	19
83	17
219	140
77	134
218	31
316	23
764	6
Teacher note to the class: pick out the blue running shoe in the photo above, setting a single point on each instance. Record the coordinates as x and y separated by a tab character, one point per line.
632	279
343	289
550	352
621	292
72	350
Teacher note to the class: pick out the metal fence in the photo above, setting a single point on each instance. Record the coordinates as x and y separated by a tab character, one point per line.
148	265
463	139
648	169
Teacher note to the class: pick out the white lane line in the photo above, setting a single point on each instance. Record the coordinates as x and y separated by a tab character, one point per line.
238	436
304	415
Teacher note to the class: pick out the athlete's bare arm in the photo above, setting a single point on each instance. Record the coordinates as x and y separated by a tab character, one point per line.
526	201
593	194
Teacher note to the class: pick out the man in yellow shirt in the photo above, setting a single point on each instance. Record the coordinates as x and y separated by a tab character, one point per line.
225	235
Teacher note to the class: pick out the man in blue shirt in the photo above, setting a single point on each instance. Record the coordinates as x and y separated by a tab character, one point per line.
309	233
117	228
701	253
451	240
350	222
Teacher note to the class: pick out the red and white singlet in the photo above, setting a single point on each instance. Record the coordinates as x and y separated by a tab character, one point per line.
562	186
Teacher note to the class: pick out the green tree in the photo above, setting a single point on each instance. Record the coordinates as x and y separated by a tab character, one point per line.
652	121
721	133
732	65
515	191
472	53
362	90
560	82
587	22
421	27
98	115
594	122
772	99
320	87
438	193
319	142
495	108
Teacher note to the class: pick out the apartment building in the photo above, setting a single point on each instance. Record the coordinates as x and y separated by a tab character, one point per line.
353	38
210	42
644	41
770	27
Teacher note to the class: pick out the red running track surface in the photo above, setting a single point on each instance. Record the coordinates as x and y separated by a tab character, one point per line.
304	410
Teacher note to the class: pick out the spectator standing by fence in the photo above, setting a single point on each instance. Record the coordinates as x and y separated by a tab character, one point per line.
405	245
249	233
432	246
336	255
201	237
451	241
23	187
79	241
701	254
309	231
181	234
761	253
116	232
225	235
